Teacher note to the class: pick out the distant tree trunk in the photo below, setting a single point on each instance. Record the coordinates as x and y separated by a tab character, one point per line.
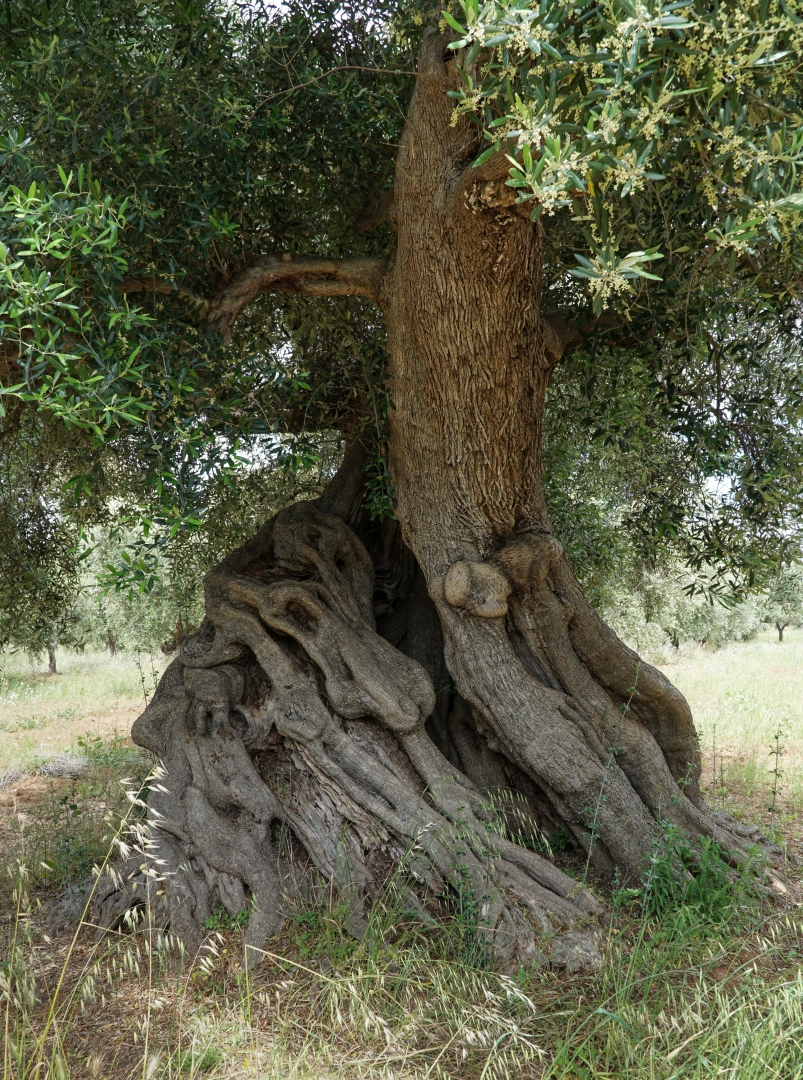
423	686
781	626
111	642
52	645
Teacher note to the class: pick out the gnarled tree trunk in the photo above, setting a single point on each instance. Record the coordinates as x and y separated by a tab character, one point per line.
370	693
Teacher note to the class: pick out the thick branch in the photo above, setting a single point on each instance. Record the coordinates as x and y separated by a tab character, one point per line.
382	211
158	285
304	274
566	330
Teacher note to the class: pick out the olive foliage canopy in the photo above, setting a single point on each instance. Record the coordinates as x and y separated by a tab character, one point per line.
149	151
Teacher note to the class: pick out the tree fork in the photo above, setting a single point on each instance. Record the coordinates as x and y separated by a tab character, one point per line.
289	711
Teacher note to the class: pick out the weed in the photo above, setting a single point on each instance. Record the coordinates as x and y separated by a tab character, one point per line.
148	684
221	920
115	755
776	753
323	933
67	714
68	830
28	723
473	949
698	877
560	840
193	1061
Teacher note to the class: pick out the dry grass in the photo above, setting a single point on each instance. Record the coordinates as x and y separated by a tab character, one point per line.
677	999
681	995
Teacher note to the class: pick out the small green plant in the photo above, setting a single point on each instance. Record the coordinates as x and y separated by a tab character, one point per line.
66	834
31	723
322	932
141	671
221	920
115	755
776	753
69	713
697	877
199	1061
717	789
28	723
560	840
473	948
68	830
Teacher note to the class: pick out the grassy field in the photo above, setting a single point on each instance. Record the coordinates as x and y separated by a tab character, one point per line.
93	693
694	985
743	696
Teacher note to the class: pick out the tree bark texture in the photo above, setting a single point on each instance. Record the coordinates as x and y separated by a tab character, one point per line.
367	699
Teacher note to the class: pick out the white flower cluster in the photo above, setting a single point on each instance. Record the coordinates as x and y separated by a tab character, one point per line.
652	115
529	127
607	283
521	39
628	171
641	21
476	33
551	187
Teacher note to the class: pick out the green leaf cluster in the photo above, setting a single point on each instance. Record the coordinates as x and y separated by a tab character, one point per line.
657	129
149	150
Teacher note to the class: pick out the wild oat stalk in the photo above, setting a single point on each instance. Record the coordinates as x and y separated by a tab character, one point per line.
139	841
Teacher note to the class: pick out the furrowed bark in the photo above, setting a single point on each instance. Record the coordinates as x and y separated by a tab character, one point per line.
604	736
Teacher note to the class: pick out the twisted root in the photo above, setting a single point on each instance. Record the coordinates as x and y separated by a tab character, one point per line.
289	712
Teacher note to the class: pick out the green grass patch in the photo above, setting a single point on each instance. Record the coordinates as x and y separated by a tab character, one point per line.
62	835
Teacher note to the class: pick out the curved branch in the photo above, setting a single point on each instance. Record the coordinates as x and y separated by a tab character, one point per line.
565	330
159	285
310	275
382	211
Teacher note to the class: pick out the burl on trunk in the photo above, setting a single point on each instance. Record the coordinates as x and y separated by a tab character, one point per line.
367	698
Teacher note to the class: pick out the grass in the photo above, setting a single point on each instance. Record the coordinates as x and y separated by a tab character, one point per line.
700	980
742	696
679	997
43	714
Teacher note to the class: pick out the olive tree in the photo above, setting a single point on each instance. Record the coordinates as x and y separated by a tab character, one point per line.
783	604
396	224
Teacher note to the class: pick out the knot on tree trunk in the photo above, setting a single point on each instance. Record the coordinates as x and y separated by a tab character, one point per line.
528	560
477	587
483	588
